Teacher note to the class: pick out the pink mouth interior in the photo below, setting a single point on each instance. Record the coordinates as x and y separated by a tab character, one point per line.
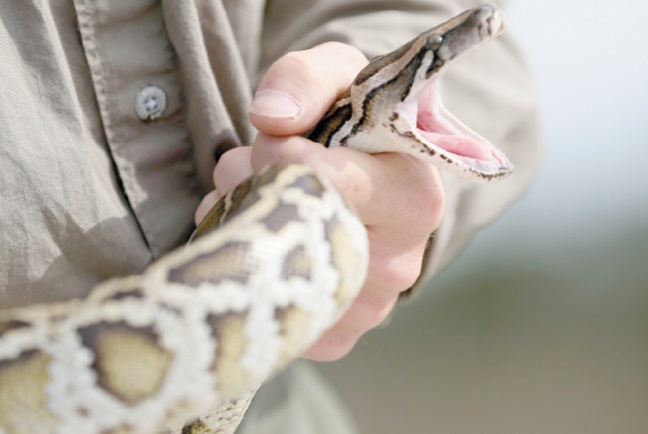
442	130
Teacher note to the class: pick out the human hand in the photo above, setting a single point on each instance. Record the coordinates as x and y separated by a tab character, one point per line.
398	197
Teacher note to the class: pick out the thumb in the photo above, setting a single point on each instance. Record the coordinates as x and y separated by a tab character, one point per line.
300	87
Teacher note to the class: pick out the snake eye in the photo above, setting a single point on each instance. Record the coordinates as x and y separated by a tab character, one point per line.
435	41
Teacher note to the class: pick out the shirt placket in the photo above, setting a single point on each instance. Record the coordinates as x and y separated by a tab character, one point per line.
138	93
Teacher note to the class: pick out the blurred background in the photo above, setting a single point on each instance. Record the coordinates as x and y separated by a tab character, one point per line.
542	325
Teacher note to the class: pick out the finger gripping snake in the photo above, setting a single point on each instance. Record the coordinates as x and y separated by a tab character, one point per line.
183	346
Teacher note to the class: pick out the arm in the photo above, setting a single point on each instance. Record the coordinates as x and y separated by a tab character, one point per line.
399	199
492	81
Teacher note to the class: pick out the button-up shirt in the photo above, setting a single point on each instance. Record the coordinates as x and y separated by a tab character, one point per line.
114	113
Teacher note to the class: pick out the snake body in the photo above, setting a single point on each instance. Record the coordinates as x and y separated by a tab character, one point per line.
183	346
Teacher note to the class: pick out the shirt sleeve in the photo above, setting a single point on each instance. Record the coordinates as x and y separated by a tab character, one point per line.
491	91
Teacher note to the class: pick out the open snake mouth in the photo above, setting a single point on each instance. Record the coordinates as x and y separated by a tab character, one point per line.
439	131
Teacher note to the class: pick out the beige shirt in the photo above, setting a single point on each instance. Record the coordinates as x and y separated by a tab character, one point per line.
113	114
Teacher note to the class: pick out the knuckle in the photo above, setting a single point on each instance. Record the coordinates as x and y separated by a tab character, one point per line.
423	209
297	62
231	168
232	156
412	202
428	202
406	276
428	212
349	53
398	273
308	65
227	160
370	310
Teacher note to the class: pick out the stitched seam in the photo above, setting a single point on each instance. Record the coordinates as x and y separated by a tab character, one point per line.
86	31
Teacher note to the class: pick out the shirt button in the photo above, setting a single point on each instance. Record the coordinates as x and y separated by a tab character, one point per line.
150	103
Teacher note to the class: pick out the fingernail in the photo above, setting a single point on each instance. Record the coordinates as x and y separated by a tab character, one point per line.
272	103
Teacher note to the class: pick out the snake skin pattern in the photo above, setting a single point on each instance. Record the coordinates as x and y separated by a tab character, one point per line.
183	346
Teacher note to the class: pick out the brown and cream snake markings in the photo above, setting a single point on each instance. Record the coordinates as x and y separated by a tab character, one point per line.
183	346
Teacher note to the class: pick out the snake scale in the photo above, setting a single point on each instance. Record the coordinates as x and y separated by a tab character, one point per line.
183	346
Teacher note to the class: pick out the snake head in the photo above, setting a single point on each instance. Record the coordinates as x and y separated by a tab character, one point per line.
394	104
465	32
433	133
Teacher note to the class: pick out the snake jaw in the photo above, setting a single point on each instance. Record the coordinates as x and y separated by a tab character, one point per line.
446	137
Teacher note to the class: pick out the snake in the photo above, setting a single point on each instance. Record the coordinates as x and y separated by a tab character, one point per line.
183	346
